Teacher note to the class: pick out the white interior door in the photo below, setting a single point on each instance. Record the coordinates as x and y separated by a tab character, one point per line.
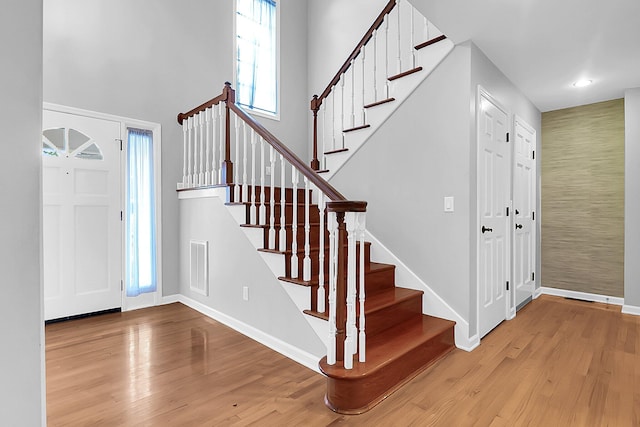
81	214
524	202
493	200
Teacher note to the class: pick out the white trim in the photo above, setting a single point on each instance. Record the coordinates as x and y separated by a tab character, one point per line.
276	344
219	192
433	304
586	296
156	128
537	292
631	309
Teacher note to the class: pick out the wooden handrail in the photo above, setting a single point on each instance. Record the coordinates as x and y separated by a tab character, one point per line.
316	102
215	101
317	180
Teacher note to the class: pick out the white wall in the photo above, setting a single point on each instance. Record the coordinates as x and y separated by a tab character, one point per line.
22	334
150	60
233	264
632	198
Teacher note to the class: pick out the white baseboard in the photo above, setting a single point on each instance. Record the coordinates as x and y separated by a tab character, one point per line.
302	357
537	292
170	299
631	309
586	296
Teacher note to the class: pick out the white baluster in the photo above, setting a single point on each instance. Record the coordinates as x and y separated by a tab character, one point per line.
362	337
190	167
351	330
321	288
201	180
196	138
399	44
236	186
253	212
342	78
386	55
426	29
283	232
375	65
215	166
362	51
262	217
331	342
306	264
352	66
272	200
245	186
333	117
185	143
294	225
412	47
221	124
324	131
207	164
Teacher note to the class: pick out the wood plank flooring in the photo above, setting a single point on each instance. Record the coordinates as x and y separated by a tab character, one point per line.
559	363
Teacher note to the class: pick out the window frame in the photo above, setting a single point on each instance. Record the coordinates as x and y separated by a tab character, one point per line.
261	113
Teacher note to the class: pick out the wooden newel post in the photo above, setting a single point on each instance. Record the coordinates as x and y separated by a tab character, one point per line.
341	208
315	106
341	286
227	165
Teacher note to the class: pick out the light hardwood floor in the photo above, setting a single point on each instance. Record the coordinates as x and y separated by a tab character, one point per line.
558	363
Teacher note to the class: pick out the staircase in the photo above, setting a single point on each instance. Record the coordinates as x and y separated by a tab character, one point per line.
376	334
401	341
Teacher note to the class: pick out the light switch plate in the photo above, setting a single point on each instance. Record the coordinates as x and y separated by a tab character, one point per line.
448	204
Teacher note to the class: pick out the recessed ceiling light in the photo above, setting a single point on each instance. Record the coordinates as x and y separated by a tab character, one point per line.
583	83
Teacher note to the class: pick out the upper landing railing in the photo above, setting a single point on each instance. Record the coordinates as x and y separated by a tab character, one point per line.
386	52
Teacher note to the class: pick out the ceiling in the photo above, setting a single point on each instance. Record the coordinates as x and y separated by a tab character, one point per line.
543	46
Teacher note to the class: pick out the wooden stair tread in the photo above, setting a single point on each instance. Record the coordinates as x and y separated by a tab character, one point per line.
356	128
378	300
276	224
405	73
430	42
339	150
375	104
390	345
300	250
373	267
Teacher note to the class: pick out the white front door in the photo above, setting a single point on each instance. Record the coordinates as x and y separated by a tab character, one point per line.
524	202
81	215
493	199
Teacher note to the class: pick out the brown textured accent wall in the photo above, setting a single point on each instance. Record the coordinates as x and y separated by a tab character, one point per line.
583	198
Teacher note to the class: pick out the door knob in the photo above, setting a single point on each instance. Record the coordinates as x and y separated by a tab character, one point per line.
486	229
518	226
517	212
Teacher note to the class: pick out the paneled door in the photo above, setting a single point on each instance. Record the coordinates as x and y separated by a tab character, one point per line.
493	200
82	233
524	202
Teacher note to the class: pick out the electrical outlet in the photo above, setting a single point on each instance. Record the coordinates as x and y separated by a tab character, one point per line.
245	293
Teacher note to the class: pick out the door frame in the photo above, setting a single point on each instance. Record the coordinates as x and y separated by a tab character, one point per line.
125	123
534	234
509	308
